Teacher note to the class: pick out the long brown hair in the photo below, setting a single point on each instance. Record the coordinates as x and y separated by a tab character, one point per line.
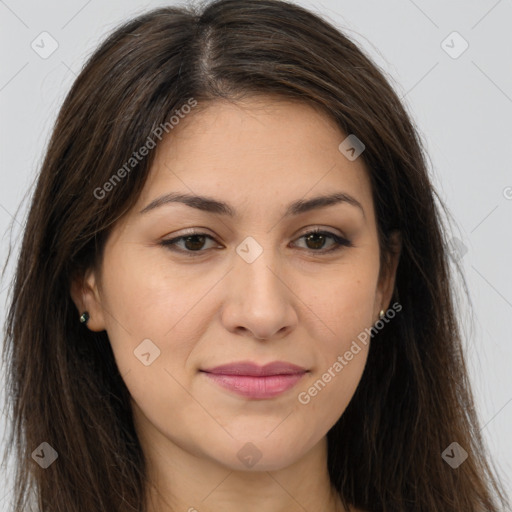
64	388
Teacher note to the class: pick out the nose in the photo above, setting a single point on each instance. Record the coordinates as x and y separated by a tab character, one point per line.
258	301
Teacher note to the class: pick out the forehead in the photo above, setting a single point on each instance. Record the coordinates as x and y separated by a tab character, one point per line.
261	150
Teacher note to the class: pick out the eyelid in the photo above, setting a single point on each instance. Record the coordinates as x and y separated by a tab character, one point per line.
316	228
340	241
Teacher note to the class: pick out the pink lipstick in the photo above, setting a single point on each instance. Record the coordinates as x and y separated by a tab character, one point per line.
254	381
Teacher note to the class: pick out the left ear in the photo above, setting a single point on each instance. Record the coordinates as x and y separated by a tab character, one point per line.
387	276
85	294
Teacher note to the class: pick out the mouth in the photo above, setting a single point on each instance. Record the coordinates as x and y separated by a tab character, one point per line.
257	382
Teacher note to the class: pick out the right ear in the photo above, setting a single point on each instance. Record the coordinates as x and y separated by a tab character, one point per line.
85	294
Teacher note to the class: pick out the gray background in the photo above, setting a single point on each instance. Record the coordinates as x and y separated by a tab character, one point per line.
462	106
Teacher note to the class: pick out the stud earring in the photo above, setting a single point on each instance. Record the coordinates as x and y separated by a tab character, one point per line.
381	314
84	317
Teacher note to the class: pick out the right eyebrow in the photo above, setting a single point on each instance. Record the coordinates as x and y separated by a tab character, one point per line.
212	205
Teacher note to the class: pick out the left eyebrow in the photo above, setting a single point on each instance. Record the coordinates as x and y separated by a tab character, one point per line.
209	204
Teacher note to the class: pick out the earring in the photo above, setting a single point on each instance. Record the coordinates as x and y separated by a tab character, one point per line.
381	314
84	317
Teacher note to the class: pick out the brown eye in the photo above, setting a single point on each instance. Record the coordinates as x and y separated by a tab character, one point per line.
192	243
316	239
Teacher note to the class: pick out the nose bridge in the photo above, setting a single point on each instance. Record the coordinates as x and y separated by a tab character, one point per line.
257	300
255	268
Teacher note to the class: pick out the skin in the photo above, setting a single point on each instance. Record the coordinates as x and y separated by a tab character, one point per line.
290	304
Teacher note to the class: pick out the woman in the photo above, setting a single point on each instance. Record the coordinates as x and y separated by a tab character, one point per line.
233	290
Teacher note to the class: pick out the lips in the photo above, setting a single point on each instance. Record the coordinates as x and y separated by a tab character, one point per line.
257	382
251	369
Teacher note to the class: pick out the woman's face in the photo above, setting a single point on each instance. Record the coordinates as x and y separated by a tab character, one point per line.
251	287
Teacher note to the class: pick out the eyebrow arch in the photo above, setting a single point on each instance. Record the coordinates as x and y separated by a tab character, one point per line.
211	205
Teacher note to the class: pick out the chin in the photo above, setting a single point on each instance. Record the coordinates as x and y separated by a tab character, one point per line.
258	455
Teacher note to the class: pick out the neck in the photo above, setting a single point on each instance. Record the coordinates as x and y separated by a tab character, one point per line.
181	481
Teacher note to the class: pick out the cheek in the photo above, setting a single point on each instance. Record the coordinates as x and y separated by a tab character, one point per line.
346	306
339	366
143	300
346	312
154	320
139	280
324	398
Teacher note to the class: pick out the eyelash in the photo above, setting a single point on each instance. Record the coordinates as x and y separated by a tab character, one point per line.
340	242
